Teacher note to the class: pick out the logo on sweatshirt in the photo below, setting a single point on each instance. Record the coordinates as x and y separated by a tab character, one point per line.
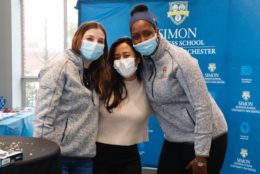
178	11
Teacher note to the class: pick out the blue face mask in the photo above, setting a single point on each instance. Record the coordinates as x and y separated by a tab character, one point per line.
91	50
147	47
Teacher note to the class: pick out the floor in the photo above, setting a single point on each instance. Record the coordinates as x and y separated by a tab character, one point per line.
149	171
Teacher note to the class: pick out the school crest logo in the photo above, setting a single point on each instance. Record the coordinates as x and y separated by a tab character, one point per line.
212	67
244	152
178	11
246	95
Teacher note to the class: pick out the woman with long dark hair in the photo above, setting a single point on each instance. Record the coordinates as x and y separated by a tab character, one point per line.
124	112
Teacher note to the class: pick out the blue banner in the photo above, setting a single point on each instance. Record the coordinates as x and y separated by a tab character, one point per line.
224	36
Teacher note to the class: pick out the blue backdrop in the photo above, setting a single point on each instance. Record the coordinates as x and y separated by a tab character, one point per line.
224	36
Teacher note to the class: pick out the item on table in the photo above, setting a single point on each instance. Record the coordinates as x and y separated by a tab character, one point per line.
9	153
2	102
6	110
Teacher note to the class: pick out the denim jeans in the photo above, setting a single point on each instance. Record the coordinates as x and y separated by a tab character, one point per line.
76	165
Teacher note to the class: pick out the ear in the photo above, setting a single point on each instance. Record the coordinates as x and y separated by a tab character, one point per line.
157	32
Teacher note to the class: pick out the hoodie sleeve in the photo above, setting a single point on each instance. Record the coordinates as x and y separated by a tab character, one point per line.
51	83
191	79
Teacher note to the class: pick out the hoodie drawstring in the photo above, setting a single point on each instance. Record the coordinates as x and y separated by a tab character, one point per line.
153	73
88	83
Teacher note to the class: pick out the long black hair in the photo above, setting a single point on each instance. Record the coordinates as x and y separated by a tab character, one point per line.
117	91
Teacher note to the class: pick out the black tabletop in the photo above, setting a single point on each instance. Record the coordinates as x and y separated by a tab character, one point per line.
40	156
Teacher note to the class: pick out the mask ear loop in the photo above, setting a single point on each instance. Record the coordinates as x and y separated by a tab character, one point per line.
153	73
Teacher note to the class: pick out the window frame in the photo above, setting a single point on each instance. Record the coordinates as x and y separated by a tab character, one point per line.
27	79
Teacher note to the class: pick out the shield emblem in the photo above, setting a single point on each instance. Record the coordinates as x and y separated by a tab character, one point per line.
246	95
178	11
244	153
212	67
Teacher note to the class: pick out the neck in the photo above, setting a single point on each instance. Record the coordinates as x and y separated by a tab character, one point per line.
131	78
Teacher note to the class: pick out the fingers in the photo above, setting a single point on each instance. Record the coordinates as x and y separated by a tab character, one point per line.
188	166
196	169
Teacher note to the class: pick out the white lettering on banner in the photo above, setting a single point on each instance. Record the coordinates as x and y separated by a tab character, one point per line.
202	51
244	80
187	39
242	103
191	43
244	164
179	33
244	161
244	137
216	75
245	106
213	76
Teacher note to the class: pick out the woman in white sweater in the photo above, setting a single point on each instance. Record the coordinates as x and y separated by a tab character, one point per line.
124	112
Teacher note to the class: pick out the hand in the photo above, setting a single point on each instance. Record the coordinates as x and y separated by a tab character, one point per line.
198	165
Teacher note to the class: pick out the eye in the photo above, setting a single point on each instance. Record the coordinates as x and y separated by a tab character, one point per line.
117	56
126	55
147	34
90	39
101	41
136	38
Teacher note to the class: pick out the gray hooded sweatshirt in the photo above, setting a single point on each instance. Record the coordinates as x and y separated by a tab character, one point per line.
179	97
65	112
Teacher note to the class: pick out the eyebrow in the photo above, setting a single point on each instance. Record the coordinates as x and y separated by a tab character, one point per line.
91	35
125	52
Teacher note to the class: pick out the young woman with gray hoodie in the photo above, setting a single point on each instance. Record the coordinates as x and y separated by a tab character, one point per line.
67	105
194	127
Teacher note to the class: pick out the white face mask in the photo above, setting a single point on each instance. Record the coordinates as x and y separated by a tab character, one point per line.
125	66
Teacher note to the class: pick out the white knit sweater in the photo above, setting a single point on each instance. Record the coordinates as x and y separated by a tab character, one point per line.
127	124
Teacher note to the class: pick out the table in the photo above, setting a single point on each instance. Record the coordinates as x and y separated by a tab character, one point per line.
40	156
19	124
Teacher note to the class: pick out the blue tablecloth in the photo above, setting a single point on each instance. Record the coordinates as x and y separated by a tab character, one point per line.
20	124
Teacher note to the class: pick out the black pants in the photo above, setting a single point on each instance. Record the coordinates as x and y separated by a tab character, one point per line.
114	159
176	156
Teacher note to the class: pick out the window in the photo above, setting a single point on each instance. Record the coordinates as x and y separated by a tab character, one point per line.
48	27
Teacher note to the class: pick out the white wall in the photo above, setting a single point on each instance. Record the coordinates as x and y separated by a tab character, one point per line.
10	52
